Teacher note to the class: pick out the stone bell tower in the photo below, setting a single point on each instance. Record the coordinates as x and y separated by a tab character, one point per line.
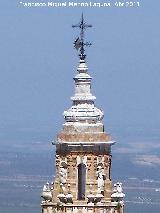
83	153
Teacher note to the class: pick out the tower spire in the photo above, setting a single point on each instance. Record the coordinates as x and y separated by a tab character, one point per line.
83	153
80	43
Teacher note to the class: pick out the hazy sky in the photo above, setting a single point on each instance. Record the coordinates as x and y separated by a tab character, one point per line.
38	62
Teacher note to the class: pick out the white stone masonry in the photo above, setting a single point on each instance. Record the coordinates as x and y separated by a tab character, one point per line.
83	107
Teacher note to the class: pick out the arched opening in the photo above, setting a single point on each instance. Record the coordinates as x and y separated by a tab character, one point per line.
81	181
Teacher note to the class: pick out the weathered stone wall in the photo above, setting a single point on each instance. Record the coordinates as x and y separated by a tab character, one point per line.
112	208
78	137
92	161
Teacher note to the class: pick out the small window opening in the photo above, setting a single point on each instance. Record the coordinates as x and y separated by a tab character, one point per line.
81	181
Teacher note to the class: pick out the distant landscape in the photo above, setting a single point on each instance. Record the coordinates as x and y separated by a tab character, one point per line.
25	168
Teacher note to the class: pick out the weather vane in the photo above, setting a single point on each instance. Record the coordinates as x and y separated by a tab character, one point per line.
79	43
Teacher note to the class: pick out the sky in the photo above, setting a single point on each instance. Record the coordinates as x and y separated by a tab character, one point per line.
38	63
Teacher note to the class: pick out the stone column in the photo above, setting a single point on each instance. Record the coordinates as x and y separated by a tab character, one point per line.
90	208
47	209
101	210
75	210
69	210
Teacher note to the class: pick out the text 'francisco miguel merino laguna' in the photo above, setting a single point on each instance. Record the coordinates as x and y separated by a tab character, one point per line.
81	4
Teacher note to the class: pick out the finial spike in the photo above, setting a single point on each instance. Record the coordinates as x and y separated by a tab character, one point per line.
79	43
82	16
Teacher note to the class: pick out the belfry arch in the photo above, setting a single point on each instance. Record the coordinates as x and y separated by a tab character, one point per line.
81	181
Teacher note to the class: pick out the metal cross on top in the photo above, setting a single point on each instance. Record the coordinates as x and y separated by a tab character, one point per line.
79	43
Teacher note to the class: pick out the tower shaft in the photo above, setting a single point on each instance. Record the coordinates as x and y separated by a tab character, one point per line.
83	158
